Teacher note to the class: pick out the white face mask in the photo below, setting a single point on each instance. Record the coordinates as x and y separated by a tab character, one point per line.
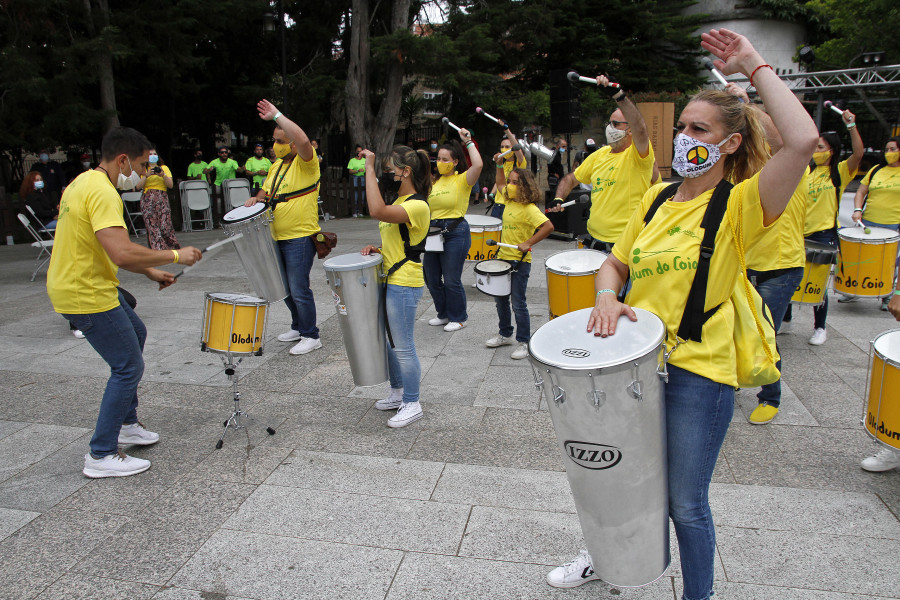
86	165
128	183
693	158
613	135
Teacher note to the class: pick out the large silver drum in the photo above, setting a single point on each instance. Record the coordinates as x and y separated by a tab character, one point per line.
355	282
605	397
258	250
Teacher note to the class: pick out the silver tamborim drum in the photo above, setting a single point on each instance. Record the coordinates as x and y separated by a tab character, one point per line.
355	282
605	397
258	250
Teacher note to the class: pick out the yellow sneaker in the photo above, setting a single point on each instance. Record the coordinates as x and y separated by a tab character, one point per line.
763	413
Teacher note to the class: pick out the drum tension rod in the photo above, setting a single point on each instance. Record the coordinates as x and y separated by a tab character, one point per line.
598	396
635	386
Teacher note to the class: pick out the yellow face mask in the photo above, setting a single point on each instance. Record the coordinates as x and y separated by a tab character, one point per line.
511	191
445	168
891	157
281	150
821	158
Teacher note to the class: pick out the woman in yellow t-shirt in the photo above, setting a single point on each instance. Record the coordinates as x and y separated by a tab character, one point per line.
699	395
514	160
155	204
449	201
524	225
408	174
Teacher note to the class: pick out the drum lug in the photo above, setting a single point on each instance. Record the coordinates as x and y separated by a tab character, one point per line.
337	281
635	387
559	394
538	380
598	397
363	281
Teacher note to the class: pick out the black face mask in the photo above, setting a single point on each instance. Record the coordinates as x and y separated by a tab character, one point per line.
389	184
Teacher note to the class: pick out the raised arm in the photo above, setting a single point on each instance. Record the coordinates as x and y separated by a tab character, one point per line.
855	142
474	171
640	137
294	133
377	208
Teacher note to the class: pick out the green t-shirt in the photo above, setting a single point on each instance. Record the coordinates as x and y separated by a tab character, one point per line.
258	164
196	169
224	170
357	164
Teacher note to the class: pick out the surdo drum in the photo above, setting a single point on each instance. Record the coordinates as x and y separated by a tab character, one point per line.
258	250
483	228
570	279
819	258
605	397
233	324
866	263
882	412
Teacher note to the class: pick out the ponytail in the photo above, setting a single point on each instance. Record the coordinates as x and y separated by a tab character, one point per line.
417	161
738	117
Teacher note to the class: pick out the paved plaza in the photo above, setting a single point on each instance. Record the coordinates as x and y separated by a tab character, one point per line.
470	502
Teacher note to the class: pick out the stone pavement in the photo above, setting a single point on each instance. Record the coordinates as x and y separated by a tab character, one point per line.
470	502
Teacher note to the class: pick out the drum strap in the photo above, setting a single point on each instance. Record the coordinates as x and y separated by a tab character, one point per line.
411	252
874	170
276	199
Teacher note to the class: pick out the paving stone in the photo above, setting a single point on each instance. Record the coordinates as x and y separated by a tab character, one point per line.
85	587
11	520
512	488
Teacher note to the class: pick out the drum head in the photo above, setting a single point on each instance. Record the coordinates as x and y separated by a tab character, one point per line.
483	220
242	213
877	235
351	262
888	345
492	267
565	342
574	262
242	299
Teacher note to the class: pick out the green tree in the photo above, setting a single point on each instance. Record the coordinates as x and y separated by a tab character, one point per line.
856	26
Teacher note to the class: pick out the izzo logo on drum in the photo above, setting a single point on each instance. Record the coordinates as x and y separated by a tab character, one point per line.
592	456
885	431
237	338
576	353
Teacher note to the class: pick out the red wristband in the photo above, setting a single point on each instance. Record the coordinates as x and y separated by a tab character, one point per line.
757	69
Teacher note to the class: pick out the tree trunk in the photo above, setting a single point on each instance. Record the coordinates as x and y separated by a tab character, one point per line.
104	64
385	124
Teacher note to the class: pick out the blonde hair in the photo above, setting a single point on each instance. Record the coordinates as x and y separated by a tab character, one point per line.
528	189
738	117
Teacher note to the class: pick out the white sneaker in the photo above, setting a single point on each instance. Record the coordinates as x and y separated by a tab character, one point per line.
818	337
572	574
114	465
135	435
438	321
885	460
520	352
454	326
290	336
785	327
846	299
497	341
77	333
409	412
306	345
392	402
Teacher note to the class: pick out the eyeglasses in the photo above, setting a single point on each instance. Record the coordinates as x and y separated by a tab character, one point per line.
617	123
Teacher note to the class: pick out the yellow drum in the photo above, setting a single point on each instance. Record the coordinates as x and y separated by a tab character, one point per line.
483	228
819	258
866	263
233	324
570	279
882	414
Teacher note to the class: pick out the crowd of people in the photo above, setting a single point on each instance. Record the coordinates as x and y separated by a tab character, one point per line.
772	177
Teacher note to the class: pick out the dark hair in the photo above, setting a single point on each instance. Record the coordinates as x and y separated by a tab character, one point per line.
419	163
28	184
123	140
834	142
528	188
456	153
159	159
895	139
220	148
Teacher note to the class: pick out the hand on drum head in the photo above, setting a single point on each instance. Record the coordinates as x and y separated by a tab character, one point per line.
606	314
856	216
370	250
251	201
894	306
189	255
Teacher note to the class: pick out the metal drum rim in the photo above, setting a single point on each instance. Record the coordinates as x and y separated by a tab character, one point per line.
247	218
262	301
888	240
505	271
553	270
376	260
895	362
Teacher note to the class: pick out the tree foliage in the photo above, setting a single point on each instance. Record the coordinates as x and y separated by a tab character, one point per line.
857	26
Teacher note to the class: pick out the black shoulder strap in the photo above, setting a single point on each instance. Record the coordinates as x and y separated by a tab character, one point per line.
874	170
413	252
664	195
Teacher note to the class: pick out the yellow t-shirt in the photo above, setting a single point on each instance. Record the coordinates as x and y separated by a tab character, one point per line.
618	181
782	245
662	259
883	203
449	197
156	182
82	278
822	207
410	274
508	166
519	222
298	217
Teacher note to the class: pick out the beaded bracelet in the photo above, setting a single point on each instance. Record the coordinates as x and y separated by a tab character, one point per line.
757	69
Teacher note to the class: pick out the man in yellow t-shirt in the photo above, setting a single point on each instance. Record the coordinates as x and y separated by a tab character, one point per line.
257	167
619	173
291	189
91	244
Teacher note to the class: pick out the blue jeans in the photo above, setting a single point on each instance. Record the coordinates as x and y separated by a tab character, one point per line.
404	369
698	412
776	292
497	210
443	272
118	336
895	226
820	313
359	192
298	255
517	296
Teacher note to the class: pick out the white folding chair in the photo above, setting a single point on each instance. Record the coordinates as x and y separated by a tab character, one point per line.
195	195
39	242
132	204
236	192
41	228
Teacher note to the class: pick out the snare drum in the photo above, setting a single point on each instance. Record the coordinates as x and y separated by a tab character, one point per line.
434	240
605	397
494	277
866	263
570	279
258	250
483	228
882	411
819	258
233	324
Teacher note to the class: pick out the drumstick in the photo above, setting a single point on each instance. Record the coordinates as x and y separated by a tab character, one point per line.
515	148
716	73
209	248
573	77
496	243
502	124
569	203
447	121
830	104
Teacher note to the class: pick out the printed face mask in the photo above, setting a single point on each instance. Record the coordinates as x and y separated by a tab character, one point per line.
613	135
445	168
891	157
693	158
281	150
821	158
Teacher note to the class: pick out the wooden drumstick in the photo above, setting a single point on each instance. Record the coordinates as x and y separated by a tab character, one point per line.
215	246
496	243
